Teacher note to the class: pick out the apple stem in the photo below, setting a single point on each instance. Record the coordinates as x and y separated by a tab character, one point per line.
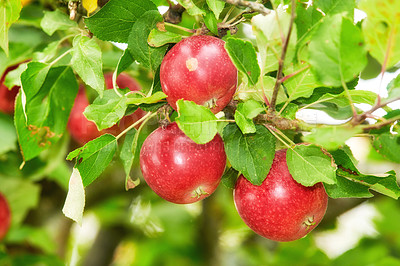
147	117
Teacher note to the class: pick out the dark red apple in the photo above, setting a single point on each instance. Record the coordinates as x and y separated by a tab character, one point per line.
280	209
5	216
178	169
83	130
199	69
7	97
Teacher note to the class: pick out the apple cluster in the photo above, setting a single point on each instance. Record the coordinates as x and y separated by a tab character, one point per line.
181	171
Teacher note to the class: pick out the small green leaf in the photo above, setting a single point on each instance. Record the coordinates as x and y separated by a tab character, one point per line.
196	121
347	170
137	99
56	20
9	13
93	158
191	8
106	111
115	20
149	57
159	38
244	114
301	84
331	137
250	154
244	57
124	62
337	51
211	22
87	62
332	7
33	78
229	178
216	6
127	154
245	92
309	165
393	89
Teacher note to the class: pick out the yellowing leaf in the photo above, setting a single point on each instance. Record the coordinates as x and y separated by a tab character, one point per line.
75	201
89	5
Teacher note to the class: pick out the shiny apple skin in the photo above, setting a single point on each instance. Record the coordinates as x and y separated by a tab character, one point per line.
83	130
175	167
7	97
5	217
280	208
199	69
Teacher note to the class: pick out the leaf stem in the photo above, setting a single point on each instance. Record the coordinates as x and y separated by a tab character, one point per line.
179	27
60	57
282	59
257	7
272	130
147	117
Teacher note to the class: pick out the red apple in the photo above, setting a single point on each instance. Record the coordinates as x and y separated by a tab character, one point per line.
5	216
199	69
7	97
280	209
178	169
83	130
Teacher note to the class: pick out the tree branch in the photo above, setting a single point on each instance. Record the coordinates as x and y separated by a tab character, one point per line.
260	8
282	59
361	118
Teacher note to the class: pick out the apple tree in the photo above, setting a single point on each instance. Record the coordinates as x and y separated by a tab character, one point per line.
195	100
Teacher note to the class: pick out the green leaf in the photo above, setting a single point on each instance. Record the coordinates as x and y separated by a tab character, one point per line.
229	178
124	62
138	99
393	89
159	38
86	61
388	145
244	57
244	114
149	57
127	156
106	111
196	121
211	22
268	31
216	6
337	51
21	194
37	237
115	20
191	8
332	7
381	30
53	21
309	165
331	137
33	78
307	21
245	92
9	13
13	78
93	158
386	185
301	84
345	188
250	154
8	135
47	110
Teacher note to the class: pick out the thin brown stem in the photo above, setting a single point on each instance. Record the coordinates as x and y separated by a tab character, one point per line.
260	8
282	59
379	104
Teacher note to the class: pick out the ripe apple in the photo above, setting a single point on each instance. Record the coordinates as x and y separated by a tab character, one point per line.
7	97
178	169
280	209
199	69
5	216
83	130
